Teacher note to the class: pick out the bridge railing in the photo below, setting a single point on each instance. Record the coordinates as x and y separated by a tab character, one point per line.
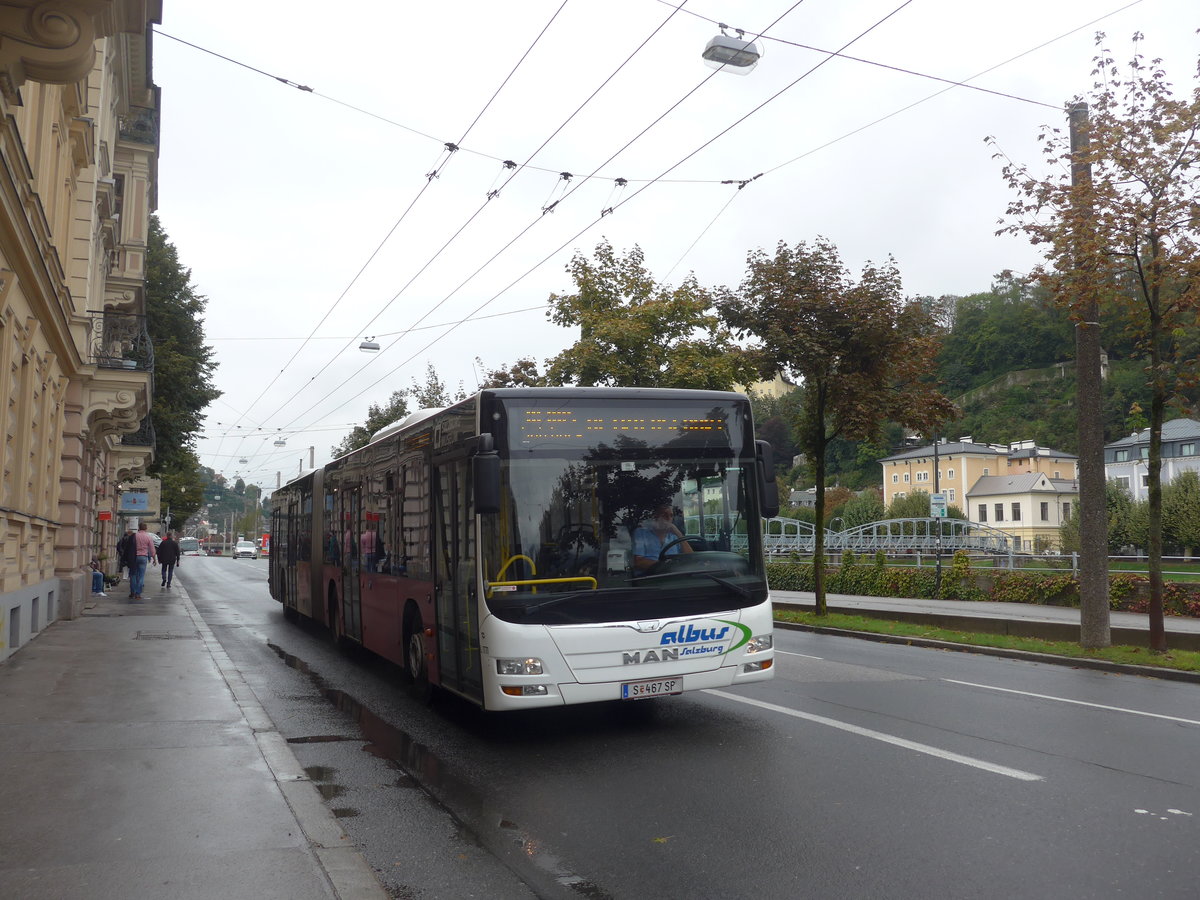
782	536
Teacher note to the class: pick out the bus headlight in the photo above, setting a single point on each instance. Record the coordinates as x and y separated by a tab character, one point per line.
519	666
759	644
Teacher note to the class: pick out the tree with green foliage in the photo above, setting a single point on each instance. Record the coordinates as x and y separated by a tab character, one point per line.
980	344
377	417
427	394
1127	237
1122	521
635	332
183	373
522	373
863	509
1181	512
861	353
432	393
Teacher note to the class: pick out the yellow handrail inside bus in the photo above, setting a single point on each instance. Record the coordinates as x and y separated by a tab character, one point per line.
491	585
513	559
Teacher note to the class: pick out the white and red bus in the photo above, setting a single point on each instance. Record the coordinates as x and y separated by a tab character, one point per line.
499	548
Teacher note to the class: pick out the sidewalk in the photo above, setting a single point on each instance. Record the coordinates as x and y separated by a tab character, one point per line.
135	763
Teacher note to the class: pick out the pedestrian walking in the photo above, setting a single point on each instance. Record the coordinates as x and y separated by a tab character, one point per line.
144	550
127	556
168	558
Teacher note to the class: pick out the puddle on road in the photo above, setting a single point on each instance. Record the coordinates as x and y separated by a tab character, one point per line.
422	768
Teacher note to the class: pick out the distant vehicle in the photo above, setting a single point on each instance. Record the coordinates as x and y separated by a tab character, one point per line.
190	546
245	550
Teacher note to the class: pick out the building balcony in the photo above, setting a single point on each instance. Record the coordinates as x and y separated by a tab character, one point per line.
143	437
120	341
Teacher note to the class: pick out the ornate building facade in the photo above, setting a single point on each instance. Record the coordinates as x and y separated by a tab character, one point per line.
78	175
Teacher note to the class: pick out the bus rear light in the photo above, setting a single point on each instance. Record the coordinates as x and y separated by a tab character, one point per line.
528	666
524	690
760	666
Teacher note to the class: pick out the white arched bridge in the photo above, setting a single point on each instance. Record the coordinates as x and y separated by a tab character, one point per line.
784	536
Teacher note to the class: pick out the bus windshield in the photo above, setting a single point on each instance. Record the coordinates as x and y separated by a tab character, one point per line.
609	537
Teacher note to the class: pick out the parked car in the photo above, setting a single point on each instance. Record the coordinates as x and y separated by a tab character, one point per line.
245	550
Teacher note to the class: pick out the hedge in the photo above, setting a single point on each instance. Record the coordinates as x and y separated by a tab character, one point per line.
874	578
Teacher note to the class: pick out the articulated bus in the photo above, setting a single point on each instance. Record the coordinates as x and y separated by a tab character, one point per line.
502	549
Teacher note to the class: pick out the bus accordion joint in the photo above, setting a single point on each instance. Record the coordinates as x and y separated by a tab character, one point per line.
490	586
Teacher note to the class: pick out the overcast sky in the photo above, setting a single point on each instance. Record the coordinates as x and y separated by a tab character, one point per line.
277	198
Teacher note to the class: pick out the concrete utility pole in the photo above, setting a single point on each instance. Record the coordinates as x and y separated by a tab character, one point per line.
1094	630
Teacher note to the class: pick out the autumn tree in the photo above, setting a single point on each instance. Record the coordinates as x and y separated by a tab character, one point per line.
635	332
860	351
1127	238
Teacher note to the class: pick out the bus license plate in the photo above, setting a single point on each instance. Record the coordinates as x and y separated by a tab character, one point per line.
640	690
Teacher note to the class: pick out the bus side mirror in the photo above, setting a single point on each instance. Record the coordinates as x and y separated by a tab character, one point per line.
485	473
768	488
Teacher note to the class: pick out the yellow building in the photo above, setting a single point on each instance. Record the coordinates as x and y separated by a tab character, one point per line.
1030	507
962	463
78	170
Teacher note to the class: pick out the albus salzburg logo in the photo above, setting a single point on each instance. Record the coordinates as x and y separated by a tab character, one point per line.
688	640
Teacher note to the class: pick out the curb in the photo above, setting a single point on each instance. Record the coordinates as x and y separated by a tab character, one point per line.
1102	665
349	874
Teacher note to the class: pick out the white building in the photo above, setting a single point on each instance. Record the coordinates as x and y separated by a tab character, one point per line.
1125	460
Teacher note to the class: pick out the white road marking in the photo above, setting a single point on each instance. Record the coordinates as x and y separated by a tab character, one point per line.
789	653
1132	712
885	738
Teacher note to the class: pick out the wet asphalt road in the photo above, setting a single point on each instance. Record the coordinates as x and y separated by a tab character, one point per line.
862	770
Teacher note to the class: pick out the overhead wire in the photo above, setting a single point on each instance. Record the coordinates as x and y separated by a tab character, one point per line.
382	334
450	148
639	191
951	85
490	196
660	178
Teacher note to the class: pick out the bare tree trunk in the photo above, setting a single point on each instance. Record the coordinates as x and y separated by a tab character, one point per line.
1158	632
819	535
1094	630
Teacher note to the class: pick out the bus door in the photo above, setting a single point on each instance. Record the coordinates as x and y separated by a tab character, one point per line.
454	552
351	499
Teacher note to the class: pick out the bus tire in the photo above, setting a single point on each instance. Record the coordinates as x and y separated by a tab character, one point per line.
335	621
416	668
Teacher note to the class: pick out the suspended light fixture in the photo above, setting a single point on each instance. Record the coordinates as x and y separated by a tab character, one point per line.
280	442
733	54
243	460
369	345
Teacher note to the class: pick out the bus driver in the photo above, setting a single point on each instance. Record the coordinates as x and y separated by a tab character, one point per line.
650	538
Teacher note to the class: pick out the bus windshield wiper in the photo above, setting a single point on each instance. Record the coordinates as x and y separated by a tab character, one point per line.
721	577
616	593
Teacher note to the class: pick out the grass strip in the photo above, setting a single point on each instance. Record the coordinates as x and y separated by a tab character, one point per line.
1186	660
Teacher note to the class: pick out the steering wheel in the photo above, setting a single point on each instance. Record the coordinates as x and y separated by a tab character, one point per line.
662	554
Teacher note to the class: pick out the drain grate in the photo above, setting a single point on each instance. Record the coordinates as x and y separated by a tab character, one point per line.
165	636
